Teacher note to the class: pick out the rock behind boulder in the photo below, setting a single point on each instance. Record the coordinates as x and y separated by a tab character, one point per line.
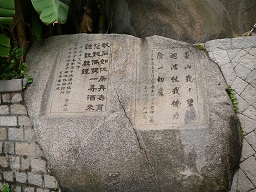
190	21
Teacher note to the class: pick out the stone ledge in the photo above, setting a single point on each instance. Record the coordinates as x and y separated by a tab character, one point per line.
10	85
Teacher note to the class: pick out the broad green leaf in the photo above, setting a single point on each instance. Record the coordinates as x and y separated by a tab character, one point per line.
4	40
37	31
6	12
4	46
4	51
6	20
7	4
51	11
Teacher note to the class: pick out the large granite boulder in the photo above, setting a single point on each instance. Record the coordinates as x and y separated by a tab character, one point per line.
190	21
242	14
119	113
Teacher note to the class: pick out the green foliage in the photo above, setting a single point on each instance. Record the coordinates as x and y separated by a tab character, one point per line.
4	45
51	11
201	47
7	11
242	133
6	188
233	98
11	67
37	31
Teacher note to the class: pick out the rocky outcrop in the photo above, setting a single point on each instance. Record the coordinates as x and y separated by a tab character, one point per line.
190	21
119	113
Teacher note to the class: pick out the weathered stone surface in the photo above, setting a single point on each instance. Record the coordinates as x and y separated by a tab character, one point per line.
2	133
6	98
251	139
8	121
9	147
250	112
244	184
18	109
24	121
35	179
50	182
28	149
1	147
132	114
21	177
239	85
252	78
29	189
3	161
24	163
242	104
242	72
8	176
4	109
10	85
247	150
16	98
15	134
190	21
249	167
15	163
242	14
38	165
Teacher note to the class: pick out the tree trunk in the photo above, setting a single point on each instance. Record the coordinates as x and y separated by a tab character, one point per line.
19	24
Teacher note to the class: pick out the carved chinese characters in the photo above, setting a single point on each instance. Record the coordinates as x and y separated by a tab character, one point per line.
82	78
168	94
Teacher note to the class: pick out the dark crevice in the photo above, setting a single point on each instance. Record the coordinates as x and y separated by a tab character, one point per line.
139	141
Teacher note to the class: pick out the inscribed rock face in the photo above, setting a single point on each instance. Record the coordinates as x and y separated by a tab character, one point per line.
119	113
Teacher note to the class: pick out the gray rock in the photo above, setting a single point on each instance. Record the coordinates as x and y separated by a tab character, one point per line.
244	184
242	14
243	72
247	150
147	114
10	85
249	94
242	104
239	85
249	166
229	73
251	138
191	21
252	78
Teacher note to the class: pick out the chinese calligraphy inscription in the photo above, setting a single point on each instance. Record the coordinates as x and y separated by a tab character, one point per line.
169	93
82	78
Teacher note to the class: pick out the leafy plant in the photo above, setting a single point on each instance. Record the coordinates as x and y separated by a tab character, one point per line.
6	188
4	45
7	11
233	98
11	67
51	11
11	57
200	46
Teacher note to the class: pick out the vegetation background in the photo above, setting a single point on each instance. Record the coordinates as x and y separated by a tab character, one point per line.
24	21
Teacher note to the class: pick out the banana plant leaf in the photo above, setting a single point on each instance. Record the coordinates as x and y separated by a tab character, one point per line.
7	11
6	20
37	31
7	4
4	46
51	11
